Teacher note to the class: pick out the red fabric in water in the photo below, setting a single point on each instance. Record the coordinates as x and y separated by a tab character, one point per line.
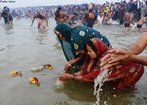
123	77
119	77
132	73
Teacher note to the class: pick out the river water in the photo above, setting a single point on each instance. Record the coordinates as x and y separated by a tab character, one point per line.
23	47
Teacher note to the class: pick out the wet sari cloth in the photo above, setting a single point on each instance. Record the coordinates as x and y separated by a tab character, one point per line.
77	39
120	77
126	76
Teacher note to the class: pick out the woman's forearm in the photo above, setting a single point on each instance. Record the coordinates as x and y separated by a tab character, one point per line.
76	77
140	59
75	60
139	45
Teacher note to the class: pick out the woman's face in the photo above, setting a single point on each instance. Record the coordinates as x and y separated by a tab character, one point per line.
90	52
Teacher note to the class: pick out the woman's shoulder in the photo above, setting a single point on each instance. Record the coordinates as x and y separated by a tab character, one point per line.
86	30
78	30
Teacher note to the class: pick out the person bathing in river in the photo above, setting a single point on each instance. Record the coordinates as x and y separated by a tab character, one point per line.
42	23
7	16
128	19
141	22
73	42
120	77
60	16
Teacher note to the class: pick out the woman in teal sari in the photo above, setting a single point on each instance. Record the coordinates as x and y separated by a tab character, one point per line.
74	41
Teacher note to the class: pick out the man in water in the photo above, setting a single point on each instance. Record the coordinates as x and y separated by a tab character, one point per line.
128	19
141	22
6	15
43	22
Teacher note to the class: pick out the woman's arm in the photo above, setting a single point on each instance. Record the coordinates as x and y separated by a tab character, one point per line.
122	56
139	45
80	78
67	76
140	59
69	64
33	20
88	77
74	61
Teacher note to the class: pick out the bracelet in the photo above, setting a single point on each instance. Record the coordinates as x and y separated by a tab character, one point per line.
73	77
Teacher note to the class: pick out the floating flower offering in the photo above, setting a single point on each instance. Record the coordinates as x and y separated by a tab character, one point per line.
16	73
34	81
48	66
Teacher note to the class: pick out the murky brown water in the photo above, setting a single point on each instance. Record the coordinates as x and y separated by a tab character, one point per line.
23	47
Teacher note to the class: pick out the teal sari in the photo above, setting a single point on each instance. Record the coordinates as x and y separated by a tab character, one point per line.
75	40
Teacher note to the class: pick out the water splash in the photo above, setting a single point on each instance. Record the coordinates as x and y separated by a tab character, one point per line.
98	83
59	84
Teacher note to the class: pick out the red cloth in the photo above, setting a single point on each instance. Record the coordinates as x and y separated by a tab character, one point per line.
130	73
101	50
120	77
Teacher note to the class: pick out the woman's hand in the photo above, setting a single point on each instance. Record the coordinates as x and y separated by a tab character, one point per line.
66	76
67	66
116	57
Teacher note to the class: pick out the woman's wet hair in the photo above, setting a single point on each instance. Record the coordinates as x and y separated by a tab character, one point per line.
91	44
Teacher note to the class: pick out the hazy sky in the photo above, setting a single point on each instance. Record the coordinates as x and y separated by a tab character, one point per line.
24	3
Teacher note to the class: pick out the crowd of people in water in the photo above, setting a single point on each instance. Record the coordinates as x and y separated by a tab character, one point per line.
86	14
86	47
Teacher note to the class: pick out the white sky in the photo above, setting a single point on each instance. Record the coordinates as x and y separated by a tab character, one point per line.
24	3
